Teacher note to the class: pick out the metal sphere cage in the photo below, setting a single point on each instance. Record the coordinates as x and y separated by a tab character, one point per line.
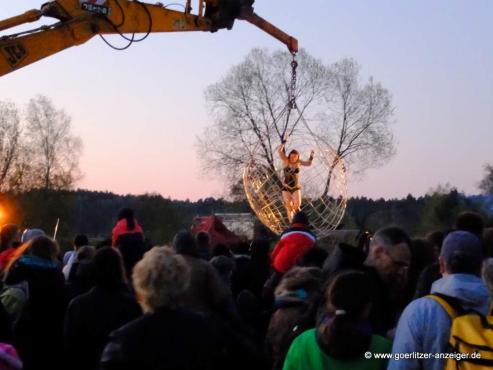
323	184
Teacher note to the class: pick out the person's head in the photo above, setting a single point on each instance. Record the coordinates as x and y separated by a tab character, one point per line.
128	215
471	222
80	241
43	247
436	240
390	254
85	253
9	234
303	281
487	275
461	254
30	234
184	243
203	239
242	247
300	218
221	250
293	156
224	266
107	268
259	248
161	279
345	332
315	257
422	254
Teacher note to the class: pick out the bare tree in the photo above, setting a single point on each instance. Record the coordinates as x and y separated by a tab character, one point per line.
54	163
10	132
249	108
486	184
357	119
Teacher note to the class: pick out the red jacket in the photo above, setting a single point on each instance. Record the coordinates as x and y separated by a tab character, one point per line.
292	246
121	228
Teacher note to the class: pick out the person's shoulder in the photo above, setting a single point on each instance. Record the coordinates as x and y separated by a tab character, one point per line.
156	319
424	303
198	264
82	299
295	232
422	310
306	338
140	324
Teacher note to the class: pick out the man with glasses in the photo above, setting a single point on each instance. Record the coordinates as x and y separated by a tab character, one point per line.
386	266
424	326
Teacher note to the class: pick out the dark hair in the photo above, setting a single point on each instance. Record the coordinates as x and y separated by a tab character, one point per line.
293	152
223	265
436	239
393	235
184	243
464	264
129	216
81	241
345	334
107	268
300	218
44	247
315	257
7	235
421	254
242	247
86	253
472	222
260	248
203	238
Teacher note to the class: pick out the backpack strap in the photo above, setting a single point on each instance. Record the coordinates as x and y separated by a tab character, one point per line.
451	305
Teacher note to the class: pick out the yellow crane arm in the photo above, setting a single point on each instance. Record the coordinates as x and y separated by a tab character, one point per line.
80	20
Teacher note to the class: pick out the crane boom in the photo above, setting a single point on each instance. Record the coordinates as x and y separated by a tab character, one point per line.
80	20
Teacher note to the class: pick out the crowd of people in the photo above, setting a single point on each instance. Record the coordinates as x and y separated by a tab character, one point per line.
289	305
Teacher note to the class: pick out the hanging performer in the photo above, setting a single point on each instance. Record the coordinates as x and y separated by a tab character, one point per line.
291	188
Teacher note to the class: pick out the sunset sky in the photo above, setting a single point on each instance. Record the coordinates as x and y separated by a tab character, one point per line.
140	111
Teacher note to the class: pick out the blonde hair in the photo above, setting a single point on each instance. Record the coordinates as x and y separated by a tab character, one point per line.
160	279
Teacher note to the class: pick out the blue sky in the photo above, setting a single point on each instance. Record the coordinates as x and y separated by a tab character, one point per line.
140	110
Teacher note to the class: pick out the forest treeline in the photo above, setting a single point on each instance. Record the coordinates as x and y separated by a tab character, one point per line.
94	213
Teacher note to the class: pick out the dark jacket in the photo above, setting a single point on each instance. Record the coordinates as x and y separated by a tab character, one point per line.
80	279
5	326
296	300
167	339
39	329
426	279
90	318
132	248
384	312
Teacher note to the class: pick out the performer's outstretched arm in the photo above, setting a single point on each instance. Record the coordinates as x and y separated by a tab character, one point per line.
309	162
282	153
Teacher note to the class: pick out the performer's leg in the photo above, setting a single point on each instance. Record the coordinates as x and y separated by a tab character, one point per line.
296	199
288	203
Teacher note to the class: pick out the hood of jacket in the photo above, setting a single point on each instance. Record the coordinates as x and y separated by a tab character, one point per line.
469	289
